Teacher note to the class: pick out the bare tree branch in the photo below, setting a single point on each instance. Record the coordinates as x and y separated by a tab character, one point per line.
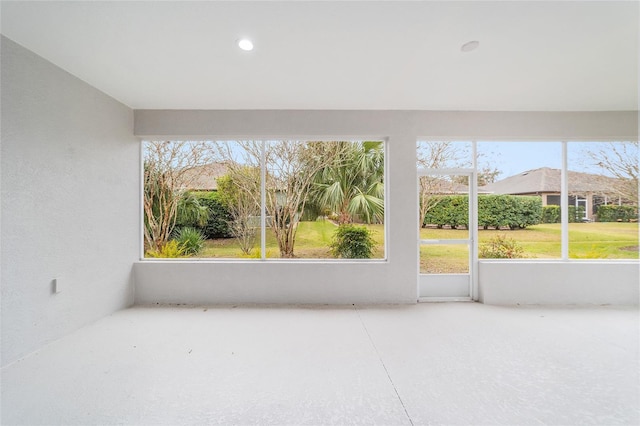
620	160
168	172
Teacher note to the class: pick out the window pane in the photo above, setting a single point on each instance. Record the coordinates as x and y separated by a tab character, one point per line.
208	195
238	190
202	199
444	259
603	200
518	196
314	187
444	206
444	154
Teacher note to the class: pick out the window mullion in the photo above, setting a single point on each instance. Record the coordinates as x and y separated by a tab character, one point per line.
564	204
263	202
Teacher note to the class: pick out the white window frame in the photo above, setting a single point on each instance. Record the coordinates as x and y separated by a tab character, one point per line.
263	214
564	207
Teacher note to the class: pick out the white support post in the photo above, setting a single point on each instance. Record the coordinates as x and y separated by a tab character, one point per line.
141	198
263	201
473	211
564	205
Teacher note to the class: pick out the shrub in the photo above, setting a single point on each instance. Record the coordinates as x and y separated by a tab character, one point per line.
203	211
217	224
617	213
458	214
170	249
257	254
551	214
493	211
352	242
501	247
576	214
528	212
594	252
438	214
191	212
190	240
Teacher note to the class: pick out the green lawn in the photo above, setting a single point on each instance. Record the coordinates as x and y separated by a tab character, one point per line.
586	241
312	242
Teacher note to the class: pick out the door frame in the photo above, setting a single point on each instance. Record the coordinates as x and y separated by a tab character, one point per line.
472	240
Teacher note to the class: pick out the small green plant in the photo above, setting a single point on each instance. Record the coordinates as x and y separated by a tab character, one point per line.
352	242
190	240
501	247
257	254
593	253
170	249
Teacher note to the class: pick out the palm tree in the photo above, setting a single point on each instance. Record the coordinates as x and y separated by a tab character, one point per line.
353	183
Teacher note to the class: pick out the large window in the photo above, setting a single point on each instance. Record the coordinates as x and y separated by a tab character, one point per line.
523	189
603	200
443	205
518	185
264	199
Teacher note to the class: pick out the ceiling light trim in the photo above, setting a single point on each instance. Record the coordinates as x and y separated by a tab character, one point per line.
470	46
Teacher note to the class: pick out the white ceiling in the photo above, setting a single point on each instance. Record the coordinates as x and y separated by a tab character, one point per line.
539	55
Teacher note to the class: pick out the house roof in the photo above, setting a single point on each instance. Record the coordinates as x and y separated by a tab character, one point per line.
204	178
548	180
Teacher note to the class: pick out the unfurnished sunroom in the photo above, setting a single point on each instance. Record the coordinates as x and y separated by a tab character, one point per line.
442	99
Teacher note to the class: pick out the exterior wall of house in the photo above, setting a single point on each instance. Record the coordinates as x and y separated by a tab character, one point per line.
70	202
588	197
546	200
391	281
589	206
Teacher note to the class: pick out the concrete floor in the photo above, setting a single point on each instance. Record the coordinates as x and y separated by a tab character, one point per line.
463	363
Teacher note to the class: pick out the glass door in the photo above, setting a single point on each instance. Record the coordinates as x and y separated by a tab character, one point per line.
447	234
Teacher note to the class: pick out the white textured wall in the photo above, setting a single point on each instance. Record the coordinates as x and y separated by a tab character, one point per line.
312	282
70	206
559	283
70	201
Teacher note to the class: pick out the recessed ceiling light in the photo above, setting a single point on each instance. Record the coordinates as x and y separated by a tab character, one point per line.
245	44
469	46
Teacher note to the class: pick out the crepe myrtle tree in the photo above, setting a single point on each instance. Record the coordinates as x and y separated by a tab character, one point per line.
620	160
239	192
168	172
290	168
435	155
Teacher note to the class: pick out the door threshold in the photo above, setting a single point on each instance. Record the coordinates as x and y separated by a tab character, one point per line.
444	299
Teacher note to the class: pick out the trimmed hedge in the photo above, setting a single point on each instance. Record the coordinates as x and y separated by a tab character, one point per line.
494	211
450	210
552	214
617	213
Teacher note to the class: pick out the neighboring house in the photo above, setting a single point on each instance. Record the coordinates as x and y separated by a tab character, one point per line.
204	178
585	189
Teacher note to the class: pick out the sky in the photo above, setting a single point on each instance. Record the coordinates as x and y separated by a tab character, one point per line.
512	158
516	157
